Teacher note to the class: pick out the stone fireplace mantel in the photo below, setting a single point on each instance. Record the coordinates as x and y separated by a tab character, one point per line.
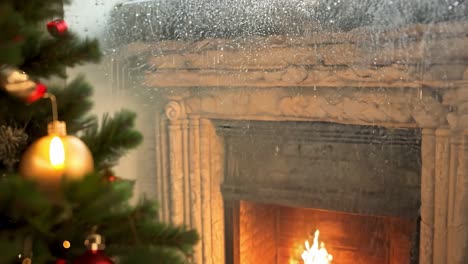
328	79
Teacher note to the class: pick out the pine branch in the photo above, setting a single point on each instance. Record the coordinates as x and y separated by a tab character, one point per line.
138	227
38	11
99	203
46	57
7	246
86	203
13	26
74	103
26	206
112	139
161	234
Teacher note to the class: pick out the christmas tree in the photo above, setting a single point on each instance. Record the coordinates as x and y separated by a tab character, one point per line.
48	210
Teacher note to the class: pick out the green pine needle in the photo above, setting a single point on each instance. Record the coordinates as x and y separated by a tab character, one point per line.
74	103
112	139
50	55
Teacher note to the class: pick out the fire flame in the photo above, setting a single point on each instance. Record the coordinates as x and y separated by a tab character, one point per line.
315	254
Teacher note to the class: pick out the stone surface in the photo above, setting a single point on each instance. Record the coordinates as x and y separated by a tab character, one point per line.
385	77
195	181
445	72
427	196
458	121
294	75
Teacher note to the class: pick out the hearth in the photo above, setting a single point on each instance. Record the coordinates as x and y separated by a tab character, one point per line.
277	234
358	185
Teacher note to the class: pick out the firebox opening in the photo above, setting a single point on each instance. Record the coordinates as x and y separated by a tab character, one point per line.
359	185
275	234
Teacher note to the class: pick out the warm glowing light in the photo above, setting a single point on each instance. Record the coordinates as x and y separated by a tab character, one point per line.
66	244
316	254
57	153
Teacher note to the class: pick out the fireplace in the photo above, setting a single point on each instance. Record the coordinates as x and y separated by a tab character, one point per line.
228	112
358	185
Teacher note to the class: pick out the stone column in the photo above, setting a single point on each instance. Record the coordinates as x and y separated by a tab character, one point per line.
427	196
176	180
185	167
450	204
195	172
457	219
195	182
205	170
442	174
162	167
217	204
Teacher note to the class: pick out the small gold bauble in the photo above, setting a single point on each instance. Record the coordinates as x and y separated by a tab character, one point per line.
56	156
66	244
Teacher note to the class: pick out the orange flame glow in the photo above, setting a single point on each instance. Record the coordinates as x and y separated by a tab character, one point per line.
316	254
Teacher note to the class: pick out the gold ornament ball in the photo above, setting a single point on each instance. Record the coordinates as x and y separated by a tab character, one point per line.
56	156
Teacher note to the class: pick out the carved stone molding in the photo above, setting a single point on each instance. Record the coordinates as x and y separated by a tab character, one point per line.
325	60
403	108
174	110
457	99
369	108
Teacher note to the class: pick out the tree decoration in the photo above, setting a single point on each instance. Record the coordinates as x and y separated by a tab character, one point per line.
18	84
56	155
109	176
12	142
95	253
61	250
57	27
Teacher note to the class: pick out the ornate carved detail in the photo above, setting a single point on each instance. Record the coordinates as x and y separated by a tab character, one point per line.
366	107
174	110
346	105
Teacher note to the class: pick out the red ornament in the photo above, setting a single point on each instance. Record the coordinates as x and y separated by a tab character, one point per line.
93	257
37	94
18	84
60	261
111	178
57	27
95	253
